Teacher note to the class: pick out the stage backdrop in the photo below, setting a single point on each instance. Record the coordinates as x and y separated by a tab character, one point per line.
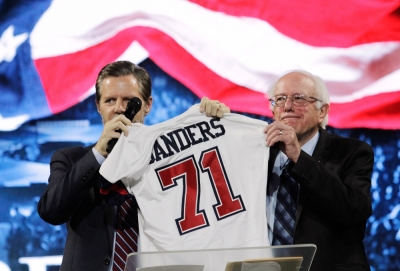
51	52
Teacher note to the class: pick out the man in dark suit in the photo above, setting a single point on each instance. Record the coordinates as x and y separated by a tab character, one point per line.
73	193
332	175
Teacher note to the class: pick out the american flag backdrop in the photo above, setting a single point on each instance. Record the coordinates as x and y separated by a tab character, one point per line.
51	52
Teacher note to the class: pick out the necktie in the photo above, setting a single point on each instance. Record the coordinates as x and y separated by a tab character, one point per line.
285	211
126	235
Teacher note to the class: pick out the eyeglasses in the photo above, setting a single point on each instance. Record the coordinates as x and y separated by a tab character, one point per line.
297	100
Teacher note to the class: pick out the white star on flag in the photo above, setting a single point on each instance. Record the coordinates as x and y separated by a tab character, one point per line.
10	43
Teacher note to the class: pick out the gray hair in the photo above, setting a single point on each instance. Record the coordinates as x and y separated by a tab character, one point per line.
320	87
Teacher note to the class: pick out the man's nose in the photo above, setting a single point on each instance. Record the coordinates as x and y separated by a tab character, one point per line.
119	106
288	104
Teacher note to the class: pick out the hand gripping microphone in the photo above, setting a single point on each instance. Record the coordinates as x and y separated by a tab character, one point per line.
134	105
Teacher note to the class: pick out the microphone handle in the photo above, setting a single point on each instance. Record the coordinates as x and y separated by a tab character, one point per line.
134	106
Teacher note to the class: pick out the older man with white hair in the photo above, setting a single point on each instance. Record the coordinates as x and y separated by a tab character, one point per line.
319	183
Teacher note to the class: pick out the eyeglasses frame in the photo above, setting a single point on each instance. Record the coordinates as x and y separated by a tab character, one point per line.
273	103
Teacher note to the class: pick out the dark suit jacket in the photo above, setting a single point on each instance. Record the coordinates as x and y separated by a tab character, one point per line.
334	202
72	197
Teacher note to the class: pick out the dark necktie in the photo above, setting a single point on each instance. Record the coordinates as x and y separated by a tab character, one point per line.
127	234
285	211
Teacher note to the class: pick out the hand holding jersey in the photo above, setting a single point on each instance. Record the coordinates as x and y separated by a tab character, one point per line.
213	108
278	132
111	131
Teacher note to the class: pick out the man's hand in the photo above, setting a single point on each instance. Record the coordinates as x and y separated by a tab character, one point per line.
110	130
213	108
285	136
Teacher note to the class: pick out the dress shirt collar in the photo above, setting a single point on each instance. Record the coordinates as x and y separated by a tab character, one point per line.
310	145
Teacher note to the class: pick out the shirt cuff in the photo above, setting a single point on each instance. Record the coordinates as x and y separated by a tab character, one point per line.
100	158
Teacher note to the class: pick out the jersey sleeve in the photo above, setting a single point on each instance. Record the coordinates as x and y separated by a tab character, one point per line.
129	158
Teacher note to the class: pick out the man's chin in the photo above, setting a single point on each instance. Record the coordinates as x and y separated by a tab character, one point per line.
291	122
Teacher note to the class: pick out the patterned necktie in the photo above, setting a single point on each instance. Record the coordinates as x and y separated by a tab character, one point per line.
285	211
127	234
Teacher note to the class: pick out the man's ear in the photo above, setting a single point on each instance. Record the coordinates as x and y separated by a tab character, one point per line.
323	112
97	106
148	105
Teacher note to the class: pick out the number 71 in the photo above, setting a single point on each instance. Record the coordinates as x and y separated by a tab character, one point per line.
186	169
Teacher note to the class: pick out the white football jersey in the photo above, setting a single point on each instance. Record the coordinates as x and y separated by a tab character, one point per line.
200	182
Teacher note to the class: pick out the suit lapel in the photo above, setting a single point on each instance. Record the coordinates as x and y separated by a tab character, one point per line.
273	153
110	212
110	217
320	154
320	151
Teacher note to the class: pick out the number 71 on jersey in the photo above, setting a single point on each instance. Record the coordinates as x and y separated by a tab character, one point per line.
187	170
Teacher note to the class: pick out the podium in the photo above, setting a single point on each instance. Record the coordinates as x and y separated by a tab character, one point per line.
285	258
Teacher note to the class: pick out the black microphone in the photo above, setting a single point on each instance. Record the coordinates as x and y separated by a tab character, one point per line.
134	105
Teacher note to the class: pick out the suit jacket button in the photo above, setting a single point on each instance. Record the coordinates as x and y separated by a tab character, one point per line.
106	261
